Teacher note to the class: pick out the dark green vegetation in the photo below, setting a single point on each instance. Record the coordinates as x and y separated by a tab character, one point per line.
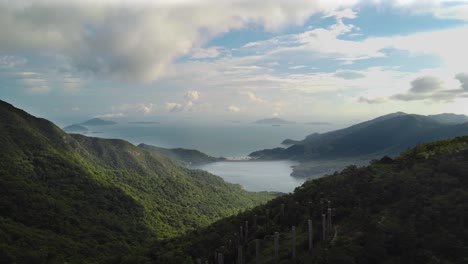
184	156
75	129
98	122
385	135
411	209
76	199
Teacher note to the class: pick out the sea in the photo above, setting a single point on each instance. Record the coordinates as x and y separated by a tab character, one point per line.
232	141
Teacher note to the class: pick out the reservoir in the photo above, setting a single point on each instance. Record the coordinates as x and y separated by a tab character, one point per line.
256	176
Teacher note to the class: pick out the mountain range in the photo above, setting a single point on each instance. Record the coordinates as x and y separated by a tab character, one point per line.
68	198
385	135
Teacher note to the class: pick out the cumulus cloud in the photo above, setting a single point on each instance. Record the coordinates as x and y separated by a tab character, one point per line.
233	109
430	88
192	95
173	107
421	88
137	108
139	42
278	108
254	98
426	84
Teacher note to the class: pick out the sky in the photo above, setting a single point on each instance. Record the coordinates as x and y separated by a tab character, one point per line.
239	59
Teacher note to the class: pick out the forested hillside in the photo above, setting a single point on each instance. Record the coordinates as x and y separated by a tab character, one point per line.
74	199
411	209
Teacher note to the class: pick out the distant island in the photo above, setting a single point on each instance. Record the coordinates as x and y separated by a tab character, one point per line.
98	122
75	128
273	121
144	123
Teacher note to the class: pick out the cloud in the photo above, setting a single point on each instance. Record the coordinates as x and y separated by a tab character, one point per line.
110	115
430	88
253	98
233	109
422	88
36	85
192	95
137	108
173	107
278	108
297	67
426	84
463	79
349	75
139	42
204	53
371	101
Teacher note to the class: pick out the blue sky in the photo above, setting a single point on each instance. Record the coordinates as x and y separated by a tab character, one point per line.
301	60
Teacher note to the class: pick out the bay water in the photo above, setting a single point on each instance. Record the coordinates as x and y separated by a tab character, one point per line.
232	141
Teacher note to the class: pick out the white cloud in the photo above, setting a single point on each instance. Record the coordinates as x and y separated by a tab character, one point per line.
139	42
173	107
233	109
297	67
203	53
254	98
192	95
137	108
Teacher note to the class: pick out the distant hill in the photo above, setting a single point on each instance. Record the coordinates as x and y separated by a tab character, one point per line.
185	156
98	122
75	129
273	121
385	135
68	198
449	118
411	209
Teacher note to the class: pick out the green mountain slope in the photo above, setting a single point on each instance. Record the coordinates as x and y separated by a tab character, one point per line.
70	198
412	209
184	156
